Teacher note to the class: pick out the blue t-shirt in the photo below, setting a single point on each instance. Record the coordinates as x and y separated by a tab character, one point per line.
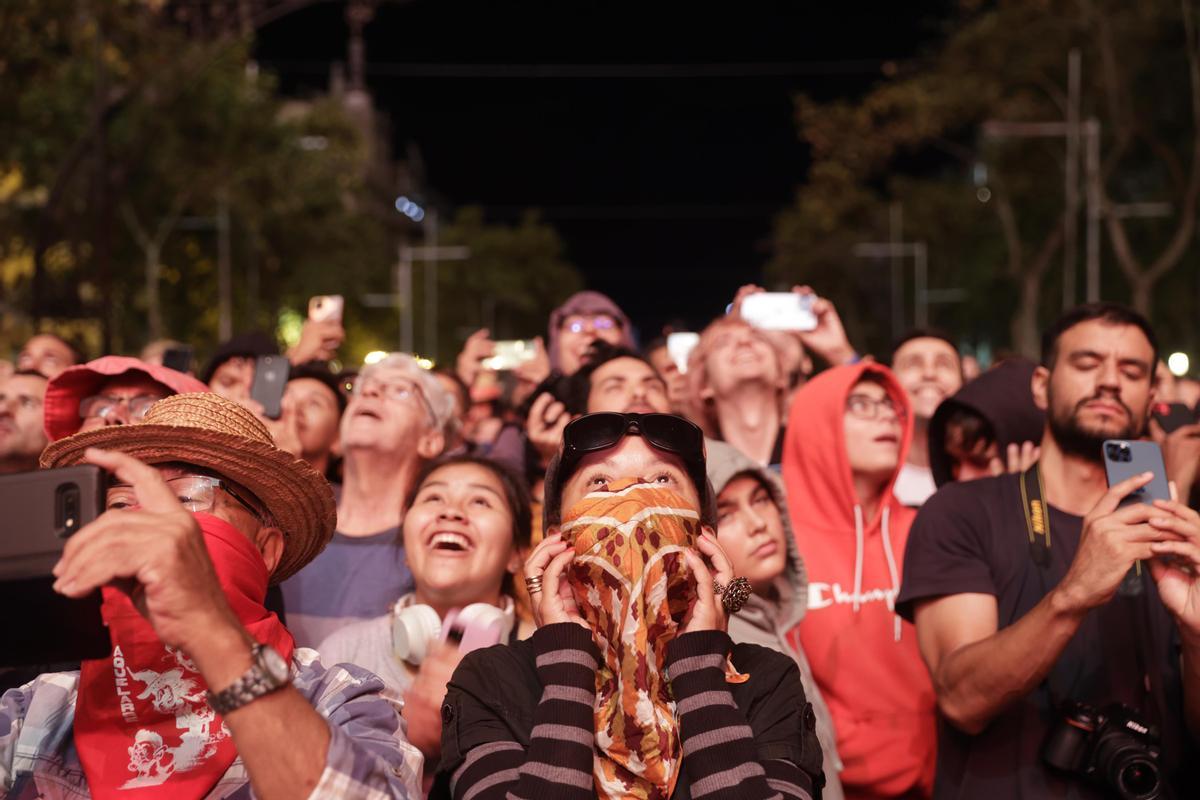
354	578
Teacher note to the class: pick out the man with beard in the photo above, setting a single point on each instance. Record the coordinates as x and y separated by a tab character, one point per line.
1037	590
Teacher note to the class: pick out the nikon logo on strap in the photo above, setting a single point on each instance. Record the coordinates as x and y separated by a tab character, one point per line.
1037	521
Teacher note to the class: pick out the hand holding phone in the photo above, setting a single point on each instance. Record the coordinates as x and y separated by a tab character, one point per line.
780	311
1173	416
1124	459
270	380
326	308
508	354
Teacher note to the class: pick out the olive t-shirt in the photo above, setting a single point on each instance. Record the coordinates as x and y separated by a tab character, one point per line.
972	538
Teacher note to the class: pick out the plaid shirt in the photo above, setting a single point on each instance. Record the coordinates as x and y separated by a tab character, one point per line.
368	755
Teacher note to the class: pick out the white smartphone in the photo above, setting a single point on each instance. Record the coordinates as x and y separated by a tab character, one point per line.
325	307
680	345
510	354
780	311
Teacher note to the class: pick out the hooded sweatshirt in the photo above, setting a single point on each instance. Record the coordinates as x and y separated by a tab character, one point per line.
766	621
864	657
1003	396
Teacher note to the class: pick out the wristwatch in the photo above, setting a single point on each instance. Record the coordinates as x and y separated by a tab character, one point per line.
268	673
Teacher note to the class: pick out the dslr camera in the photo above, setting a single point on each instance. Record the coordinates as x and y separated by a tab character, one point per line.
1110	746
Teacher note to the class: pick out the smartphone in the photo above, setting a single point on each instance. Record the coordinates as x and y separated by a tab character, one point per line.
1125	458
680	345
780	311
326	307
270	379
1173	416
43	509
178	358
510	354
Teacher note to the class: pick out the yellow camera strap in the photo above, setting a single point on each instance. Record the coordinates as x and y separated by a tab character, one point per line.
1037	516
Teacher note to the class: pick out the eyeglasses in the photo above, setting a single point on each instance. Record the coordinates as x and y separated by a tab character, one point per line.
27	402
598	322
592	433
196	493
104	407
867	407
401	390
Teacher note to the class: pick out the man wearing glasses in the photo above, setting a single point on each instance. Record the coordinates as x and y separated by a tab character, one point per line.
204	692
394	423
113	390
847	434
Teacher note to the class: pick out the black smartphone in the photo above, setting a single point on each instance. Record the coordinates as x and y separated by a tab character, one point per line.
1173	416
178	358
41	510
1125	458
270	379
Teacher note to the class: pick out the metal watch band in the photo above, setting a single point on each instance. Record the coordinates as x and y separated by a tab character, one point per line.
254	683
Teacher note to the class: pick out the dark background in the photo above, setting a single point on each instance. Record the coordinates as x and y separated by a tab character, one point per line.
660	143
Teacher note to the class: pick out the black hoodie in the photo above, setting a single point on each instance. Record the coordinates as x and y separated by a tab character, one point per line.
1003	397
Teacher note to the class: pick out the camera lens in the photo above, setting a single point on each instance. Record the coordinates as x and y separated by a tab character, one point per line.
1138	778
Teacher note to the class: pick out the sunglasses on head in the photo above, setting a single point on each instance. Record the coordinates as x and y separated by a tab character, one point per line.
592	433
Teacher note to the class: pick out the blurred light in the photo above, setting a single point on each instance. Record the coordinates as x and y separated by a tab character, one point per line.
375	356
410	208
983	194
288	327
424	363
1179	363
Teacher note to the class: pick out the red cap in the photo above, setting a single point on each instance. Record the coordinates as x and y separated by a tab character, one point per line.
71	386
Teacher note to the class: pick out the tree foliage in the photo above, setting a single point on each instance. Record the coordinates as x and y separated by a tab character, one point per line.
991	209
127	145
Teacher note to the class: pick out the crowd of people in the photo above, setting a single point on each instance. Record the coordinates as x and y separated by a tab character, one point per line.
774	566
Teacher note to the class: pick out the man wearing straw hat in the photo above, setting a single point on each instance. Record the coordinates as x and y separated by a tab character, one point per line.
204	694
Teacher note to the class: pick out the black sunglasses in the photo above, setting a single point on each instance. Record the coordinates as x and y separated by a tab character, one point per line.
592	433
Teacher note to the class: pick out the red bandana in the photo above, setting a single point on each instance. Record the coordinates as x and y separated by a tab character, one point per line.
143	728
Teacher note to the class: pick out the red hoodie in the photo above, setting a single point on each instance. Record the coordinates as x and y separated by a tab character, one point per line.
864	658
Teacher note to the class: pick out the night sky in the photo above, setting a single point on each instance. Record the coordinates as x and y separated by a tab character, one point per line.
660	143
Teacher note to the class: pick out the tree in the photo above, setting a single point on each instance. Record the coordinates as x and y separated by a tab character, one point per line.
123	127
992	211
515	276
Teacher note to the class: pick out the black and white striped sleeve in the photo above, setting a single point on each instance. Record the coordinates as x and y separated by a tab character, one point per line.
558	762
720	758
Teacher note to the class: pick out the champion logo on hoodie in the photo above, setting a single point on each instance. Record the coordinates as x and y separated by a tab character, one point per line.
823	595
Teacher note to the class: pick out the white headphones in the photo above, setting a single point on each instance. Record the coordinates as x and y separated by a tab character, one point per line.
416	627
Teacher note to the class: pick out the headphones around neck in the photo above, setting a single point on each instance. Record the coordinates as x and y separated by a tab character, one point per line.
416	627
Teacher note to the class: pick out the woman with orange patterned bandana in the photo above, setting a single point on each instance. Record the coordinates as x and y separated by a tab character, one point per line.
630	688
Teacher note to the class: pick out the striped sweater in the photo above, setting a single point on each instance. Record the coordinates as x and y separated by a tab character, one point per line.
721	758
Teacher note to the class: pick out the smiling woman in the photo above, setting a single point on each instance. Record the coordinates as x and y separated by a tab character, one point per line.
467	525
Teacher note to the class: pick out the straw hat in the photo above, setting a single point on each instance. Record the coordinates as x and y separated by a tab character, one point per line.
217	434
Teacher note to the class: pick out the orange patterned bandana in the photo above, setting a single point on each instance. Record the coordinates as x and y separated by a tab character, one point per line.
633	588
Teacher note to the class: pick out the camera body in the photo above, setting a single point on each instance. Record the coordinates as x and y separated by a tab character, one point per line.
1110	746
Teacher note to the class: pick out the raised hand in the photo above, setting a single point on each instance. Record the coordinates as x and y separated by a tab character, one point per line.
1176	569
707	612
1113	539
555	602
155	549
547	420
